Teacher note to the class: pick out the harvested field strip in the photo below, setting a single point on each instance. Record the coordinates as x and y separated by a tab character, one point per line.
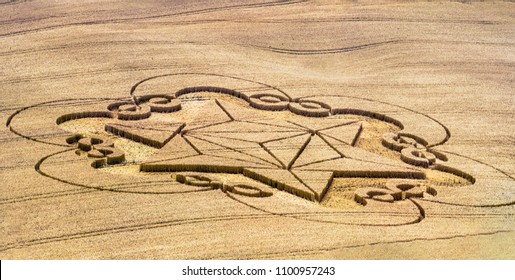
275	125
66	102
330	145
222	148
336	139
54	103
234	132
364	18
338	125
56	76
82	191
284	138
146	226
201	127
301	126
144	140
82	115
359	112
38	165
94	44
36	140
395	122
150	226
290	164
414	169
185	13
326	51
135	86
35	136
191	144
223	109
454	171
295	216
272	155
471	205
300	180
482	162
370	18
308	252
13	2
167	159
232	138
383	174
61	102
315	162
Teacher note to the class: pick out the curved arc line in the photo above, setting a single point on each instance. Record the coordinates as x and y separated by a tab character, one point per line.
447	131
295	216
37	167
135	86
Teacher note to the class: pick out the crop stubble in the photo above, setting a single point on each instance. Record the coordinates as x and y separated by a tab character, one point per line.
422	68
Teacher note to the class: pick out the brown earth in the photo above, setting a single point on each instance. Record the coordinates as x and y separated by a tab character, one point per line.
257	130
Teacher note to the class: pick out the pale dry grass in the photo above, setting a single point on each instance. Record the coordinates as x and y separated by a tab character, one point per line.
435	67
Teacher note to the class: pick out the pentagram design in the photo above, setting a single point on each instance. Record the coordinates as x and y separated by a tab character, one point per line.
202	127
300	155
237	126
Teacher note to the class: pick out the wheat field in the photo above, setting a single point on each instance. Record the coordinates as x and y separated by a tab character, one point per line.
266	129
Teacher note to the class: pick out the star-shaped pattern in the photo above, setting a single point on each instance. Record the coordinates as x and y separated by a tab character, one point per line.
300	155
